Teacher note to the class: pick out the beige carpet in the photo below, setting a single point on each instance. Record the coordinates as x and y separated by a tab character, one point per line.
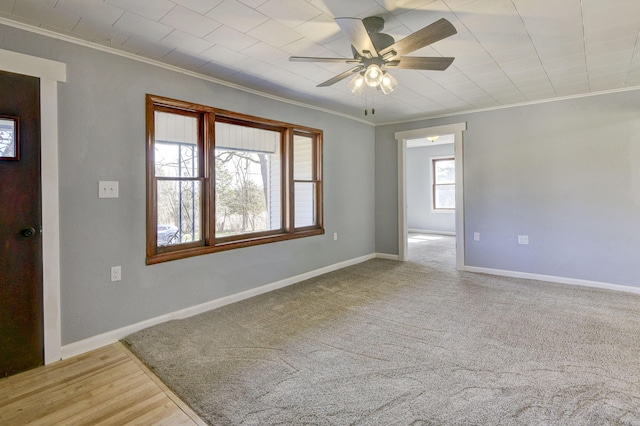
415	343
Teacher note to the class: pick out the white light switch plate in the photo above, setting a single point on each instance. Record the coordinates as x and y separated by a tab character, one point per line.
523	239
107	189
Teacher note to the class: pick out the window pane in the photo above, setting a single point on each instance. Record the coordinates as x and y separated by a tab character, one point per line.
176	145
248	180
445	197
302	158
179	211
445	171
305	208
7	138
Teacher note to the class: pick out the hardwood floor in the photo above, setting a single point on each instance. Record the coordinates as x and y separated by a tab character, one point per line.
108	386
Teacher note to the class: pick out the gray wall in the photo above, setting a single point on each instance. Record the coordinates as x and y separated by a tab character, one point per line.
420	215
102	137
566	173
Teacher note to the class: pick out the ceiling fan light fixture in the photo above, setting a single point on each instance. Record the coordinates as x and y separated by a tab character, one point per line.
388	83
373	75
357	84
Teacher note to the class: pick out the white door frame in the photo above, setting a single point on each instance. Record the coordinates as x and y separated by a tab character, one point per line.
402	137
50	73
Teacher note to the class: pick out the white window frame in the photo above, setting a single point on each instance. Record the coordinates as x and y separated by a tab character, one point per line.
432	184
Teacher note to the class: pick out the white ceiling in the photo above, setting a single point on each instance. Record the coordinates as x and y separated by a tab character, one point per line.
507	51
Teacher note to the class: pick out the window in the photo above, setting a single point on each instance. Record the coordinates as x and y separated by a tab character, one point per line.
444	179
218	180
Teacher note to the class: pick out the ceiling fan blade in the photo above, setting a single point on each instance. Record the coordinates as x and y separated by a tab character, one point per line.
313	59
342	76
430	34
358	36
420	63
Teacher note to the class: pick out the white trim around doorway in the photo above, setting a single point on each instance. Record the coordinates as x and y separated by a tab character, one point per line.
402	138
50	73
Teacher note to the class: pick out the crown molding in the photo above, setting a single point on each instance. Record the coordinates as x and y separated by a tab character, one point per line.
135	57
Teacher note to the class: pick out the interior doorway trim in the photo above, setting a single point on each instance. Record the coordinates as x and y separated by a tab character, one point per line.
50	73
402	138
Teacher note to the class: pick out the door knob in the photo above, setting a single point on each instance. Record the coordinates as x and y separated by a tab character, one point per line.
28	232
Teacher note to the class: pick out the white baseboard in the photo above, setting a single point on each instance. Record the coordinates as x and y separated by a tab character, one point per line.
95	342
387	256
553	279
427	231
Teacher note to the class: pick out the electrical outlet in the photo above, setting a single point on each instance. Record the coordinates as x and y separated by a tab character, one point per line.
116	273
335	236
523	239
476	236
107	189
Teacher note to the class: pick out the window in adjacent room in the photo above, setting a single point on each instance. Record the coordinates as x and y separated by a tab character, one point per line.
218	180
443	179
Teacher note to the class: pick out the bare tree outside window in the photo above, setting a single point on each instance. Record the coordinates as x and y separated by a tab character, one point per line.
179	191
219	180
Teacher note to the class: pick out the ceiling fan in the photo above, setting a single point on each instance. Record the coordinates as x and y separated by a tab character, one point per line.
374	52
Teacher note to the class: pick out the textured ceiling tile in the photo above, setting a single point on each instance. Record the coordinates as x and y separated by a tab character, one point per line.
457	4
576	79
39	13
264	52
290	13
564	62
231	38
223	55
184	60
152	9
253	3
618	59
274	33
320	29
237	15
93	11
306	47
218	70
611	69
186	42
145	28
510	99
108	36
200	6
536	45
189	21
417	19
530	63
567	72
342	8
560	51
611	46
533	82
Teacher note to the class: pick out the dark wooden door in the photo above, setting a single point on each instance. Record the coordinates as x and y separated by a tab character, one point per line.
21	305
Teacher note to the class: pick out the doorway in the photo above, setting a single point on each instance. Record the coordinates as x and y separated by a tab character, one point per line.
403	231
50	73
21	303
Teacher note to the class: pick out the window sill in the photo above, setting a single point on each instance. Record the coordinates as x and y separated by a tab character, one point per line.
198	251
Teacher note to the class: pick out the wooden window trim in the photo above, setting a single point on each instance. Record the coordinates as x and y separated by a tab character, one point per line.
206	146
